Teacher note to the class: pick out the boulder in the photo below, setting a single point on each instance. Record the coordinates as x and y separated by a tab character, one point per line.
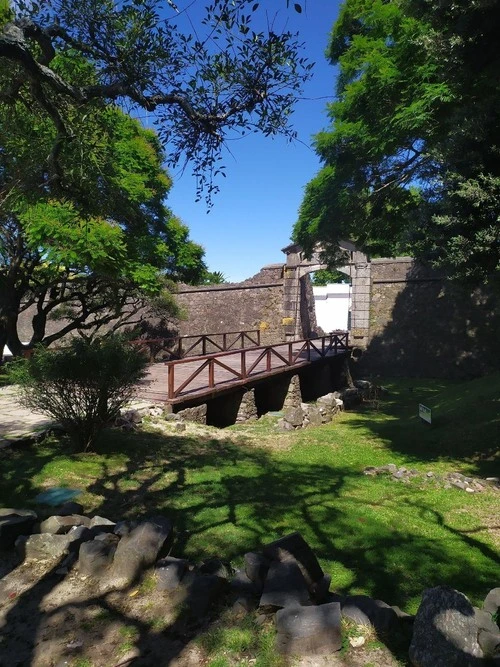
328	401
139	549
215	566
60	525
102	524
306	631
490	644
363	610
293	547
314	415
484	620
96	557
445	631
256	568
169	572
69	508
294	416
200	592
242	586
492	601
47	545
14	523
284	586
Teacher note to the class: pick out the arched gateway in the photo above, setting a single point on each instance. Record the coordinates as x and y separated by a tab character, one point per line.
298	319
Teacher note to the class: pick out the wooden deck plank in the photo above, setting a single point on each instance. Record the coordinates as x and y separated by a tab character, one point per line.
154	386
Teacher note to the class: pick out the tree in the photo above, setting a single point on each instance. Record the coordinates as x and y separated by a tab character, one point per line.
411	162
100	251
325	277
199	84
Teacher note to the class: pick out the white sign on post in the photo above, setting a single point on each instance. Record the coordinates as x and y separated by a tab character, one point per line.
425	414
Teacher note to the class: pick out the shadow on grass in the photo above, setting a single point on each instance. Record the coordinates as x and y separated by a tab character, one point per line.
465	422
226	498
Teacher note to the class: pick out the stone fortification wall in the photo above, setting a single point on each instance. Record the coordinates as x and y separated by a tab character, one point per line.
421	325
256	303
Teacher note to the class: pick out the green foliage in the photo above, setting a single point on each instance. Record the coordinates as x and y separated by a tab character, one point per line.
226	77
82	387
214	278
410	161
325	277
96	244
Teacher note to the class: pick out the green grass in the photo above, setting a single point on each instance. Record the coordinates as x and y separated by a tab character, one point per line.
236	641
251	484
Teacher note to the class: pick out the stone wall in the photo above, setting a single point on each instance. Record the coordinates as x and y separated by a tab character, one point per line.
423	326
256	303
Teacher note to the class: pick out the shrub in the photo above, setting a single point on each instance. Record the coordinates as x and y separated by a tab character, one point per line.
82	386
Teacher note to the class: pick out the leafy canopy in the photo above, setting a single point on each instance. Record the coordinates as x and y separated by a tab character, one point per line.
232	72
99	243
411	158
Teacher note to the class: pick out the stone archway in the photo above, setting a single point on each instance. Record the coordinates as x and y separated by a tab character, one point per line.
299	318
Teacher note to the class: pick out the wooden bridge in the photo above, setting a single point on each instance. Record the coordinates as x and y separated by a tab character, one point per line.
205	376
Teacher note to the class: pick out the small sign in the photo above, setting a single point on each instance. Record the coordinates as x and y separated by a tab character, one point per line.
425	414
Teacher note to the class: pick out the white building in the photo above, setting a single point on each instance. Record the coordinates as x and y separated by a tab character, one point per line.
332	304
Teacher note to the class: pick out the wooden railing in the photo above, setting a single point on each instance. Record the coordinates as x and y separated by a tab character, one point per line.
180	347
287	354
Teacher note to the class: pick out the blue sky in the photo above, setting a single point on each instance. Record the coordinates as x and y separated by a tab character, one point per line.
253	215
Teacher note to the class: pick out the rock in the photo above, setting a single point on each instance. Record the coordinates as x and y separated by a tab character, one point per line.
445	631
243	586
66	509
321	589
328	401
314	416
256	568
492	601
46	545
294	416
284	586
201	591
169	572
180	427
60	525
217	567
283	425
104	525
123	528
139	549
96	557
293	547
14	523
307	631
363	610
489	643
356	642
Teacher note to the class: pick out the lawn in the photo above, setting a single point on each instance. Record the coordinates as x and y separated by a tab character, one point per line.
234	490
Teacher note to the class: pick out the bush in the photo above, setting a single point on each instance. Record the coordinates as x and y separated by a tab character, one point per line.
82	386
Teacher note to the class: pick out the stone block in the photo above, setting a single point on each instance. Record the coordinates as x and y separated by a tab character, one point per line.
293	547
492	601
13	523
309	631
169	572
284	586
60	525
256	568
95	557
139	549
445	631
